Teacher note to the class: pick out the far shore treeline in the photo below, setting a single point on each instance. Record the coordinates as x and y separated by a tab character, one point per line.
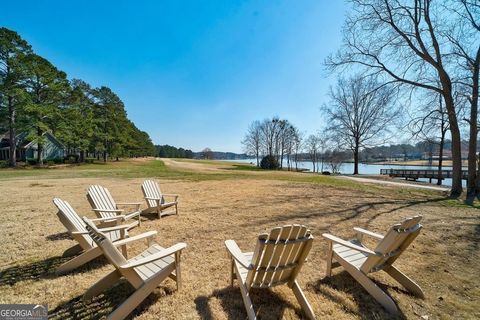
36	97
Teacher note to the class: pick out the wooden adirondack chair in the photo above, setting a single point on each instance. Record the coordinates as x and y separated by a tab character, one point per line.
105	207
76	227
359	261
144	272
156	199
277	259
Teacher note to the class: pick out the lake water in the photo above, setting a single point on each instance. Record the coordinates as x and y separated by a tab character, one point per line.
363	168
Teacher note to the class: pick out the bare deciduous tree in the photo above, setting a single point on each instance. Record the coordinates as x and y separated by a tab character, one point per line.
274	137
464	35
360	112
400	40
311	147
252	141
432	126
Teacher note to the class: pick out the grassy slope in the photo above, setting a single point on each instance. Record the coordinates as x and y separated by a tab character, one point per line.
250	201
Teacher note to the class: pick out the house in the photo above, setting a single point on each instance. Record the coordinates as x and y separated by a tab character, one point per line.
27	148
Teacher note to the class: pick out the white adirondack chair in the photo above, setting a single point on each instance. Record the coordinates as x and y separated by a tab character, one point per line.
105	207
359	261
144	272
156	199
87	248
277	259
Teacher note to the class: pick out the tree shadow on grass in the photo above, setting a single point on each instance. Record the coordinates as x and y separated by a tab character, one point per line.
266	303
351	212
152	216
58	236
44	269
104	304
368	307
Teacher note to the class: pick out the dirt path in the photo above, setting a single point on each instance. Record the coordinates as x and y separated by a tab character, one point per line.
392	183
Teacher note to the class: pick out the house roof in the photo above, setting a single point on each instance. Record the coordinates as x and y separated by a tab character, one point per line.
23	142
48	134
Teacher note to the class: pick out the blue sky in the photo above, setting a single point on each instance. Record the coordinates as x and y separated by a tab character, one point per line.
193	74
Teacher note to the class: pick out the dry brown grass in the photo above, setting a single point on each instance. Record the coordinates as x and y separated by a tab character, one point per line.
443	259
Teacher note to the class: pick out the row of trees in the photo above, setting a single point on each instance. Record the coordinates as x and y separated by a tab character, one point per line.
36	97
166	151
273	137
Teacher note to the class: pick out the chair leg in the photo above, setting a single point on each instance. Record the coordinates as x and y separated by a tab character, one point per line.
72	251
246	297
306	307
177	270
329	259
405	281
373	289
176	208
101	285
80	260
232	270
139	295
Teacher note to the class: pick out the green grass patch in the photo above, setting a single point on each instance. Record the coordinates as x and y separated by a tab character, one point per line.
245	167
157	169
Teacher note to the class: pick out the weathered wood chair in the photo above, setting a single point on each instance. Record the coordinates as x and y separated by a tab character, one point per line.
359	261
105	207
277	259
76	228
144	272
156	199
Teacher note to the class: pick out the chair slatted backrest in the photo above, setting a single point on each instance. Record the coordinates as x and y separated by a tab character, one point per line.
279	256
111	252
151	189
100	198
397	239
71	220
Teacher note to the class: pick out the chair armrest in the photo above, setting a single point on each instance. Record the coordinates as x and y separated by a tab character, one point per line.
164	253
108	210
129	203
348	244
78	232
368	233
145	235
117	217
236	253
151	198
119	227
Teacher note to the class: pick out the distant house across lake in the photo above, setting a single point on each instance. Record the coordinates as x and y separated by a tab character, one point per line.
27	148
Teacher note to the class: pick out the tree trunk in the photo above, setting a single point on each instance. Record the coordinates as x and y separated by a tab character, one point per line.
355	158
440	157
82	156
472	147
12	135
39	147
104	156
457	188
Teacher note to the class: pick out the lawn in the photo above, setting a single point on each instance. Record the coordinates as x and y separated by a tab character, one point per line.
219	202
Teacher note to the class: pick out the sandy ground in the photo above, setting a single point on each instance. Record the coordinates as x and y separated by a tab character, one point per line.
443	260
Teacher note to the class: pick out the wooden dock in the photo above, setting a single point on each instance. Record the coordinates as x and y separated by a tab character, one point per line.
414	174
